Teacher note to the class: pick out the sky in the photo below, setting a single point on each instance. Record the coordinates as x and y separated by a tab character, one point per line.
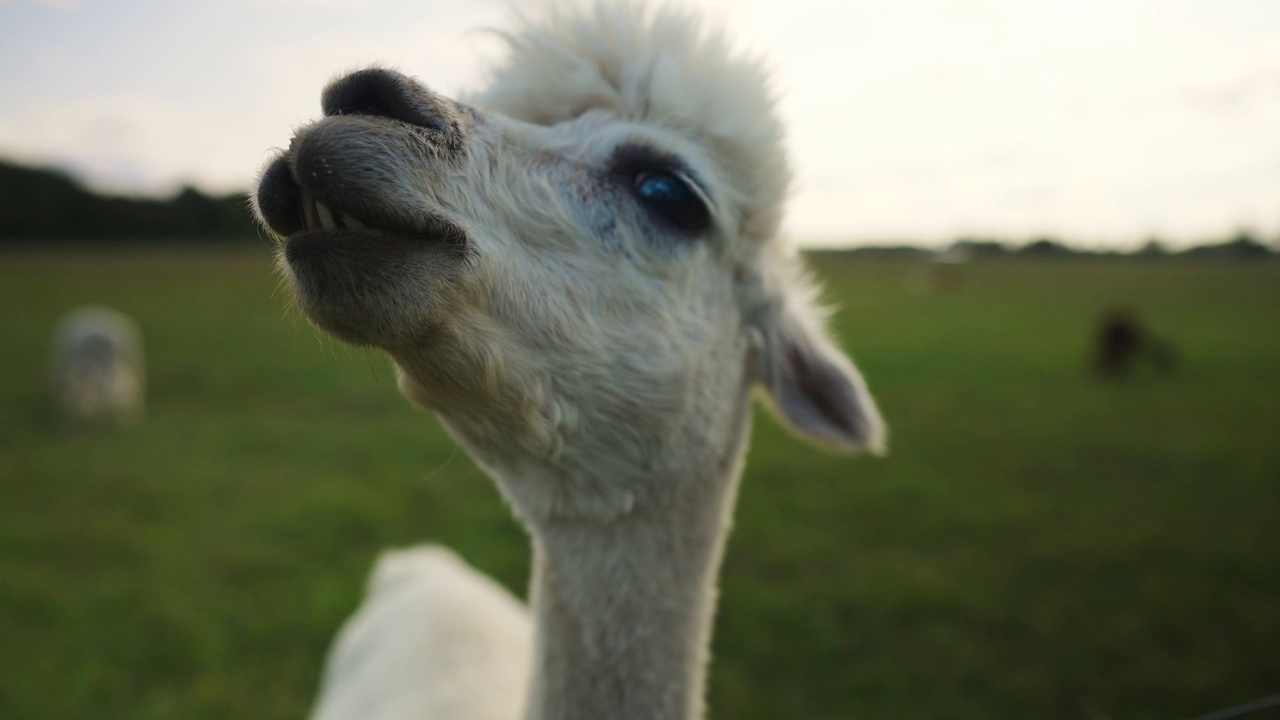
1103	122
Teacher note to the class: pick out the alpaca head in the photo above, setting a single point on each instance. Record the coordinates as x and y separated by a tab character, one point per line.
579	268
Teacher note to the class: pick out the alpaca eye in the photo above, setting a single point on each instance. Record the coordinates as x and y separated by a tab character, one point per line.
671	198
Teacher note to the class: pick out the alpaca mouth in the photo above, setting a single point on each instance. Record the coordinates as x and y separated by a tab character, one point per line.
315	216
328	209
365	262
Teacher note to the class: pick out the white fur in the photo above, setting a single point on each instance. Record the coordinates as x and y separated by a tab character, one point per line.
596	361
424	605
97	372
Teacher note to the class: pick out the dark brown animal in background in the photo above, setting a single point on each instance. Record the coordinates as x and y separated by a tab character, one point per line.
1123	341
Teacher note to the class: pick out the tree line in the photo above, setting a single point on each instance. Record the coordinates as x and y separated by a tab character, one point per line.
47	204
1241	245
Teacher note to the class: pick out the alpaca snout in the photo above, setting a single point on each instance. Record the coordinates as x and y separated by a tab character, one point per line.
355	174
391	95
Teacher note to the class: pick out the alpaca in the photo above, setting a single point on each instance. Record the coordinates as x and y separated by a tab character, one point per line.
433	639
1122	341
96	372
579	271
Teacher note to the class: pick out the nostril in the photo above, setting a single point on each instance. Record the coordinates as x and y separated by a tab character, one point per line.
278	198
388	94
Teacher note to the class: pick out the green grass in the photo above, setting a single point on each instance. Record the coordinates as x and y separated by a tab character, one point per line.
1037	545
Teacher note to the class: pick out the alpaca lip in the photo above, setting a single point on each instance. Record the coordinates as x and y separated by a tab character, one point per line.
292	210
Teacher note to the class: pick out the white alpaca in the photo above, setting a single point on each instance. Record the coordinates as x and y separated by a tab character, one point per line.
579	272
96	372
433	639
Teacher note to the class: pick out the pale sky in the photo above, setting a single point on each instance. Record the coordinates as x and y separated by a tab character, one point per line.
1099	121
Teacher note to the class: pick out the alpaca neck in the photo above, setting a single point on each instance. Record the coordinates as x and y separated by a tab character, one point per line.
623	607
623	613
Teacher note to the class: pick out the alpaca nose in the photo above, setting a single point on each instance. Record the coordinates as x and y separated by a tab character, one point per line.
389	94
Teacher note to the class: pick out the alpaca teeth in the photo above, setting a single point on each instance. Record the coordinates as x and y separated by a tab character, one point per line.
315	215
310	216
326	217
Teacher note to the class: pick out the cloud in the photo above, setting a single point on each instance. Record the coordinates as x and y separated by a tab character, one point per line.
129	143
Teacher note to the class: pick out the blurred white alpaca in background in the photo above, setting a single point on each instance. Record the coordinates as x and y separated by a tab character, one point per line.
97	372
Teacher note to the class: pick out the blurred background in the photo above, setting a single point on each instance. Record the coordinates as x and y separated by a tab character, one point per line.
1051	230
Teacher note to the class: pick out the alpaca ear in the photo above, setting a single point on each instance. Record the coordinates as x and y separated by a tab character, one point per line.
816	389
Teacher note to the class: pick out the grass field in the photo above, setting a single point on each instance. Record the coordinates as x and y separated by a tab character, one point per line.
1038	545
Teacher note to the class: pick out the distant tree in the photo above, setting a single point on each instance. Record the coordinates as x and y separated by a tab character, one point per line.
887	252
39	203
1046	247
1153	247
1244	245
981	247
1247	244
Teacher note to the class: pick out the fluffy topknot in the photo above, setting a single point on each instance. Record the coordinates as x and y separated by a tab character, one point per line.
659	67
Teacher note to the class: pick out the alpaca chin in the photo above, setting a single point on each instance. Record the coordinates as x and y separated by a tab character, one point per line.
333	279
